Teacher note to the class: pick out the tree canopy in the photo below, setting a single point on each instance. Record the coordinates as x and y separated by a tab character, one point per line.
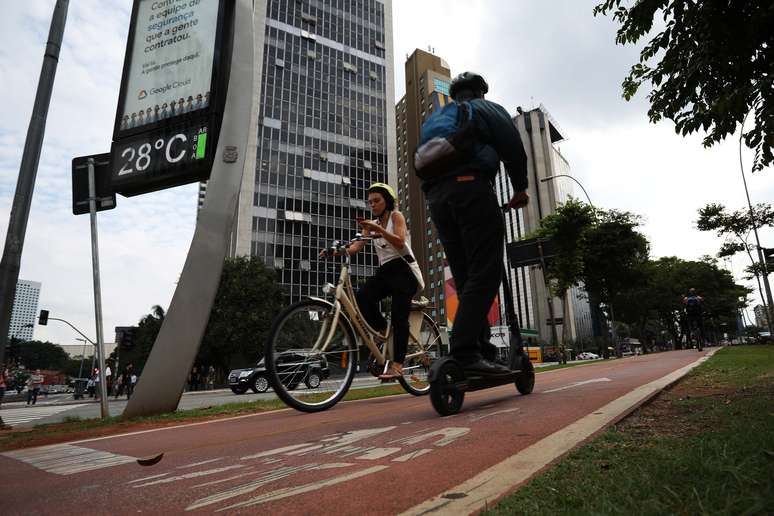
248	298
709	67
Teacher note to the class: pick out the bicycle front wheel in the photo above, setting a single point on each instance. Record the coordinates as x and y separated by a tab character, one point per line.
423	350
309	360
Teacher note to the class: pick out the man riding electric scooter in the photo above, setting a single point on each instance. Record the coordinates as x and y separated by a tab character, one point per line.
462	147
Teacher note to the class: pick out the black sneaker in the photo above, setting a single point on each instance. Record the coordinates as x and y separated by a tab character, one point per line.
485	367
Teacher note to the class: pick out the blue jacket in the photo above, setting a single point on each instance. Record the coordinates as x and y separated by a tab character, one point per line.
499	141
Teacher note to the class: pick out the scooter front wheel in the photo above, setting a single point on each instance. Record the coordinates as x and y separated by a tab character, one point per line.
446	377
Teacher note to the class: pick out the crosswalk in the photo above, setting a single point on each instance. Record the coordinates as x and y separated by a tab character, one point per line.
66	459
22	416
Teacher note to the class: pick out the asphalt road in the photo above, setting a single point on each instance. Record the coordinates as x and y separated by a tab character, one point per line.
379	456
57	407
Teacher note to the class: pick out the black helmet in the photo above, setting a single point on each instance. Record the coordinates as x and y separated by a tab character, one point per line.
470	81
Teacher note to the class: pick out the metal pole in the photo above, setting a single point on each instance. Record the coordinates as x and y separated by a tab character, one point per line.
25	185
614	335
103	402
549	298
83	352
579	184
764	270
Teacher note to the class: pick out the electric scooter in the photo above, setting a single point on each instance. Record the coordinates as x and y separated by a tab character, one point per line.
449	383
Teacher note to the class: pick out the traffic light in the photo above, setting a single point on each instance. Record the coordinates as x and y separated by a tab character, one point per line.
768	256
43	318
125	336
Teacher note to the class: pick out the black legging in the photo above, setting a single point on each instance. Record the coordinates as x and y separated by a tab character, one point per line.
393	279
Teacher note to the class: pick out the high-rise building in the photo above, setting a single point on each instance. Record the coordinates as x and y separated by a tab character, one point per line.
322	133
25	309
427	90
540	135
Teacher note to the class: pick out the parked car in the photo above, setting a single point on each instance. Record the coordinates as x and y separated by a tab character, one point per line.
587	356
293	366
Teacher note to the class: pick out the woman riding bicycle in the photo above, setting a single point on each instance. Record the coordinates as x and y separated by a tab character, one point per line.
394	278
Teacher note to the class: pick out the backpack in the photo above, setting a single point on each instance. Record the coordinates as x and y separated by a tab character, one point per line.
447	140
693	305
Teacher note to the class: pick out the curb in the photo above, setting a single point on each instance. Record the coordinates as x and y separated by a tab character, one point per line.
486	488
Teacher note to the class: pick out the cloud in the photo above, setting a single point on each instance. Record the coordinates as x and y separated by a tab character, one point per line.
559	55
144	241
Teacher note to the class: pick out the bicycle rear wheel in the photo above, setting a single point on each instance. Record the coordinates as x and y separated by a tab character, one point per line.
305	373
421	353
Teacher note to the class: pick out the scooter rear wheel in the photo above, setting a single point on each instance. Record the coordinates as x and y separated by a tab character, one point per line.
525	381
445	395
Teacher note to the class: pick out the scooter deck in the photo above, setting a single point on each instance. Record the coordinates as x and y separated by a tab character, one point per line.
480	382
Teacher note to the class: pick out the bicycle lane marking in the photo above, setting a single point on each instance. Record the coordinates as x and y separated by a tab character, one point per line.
349	445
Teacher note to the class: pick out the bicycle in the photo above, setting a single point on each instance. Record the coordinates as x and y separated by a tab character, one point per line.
316	342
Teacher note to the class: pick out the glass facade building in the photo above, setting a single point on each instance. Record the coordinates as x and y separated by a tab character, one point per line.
324	113
25	310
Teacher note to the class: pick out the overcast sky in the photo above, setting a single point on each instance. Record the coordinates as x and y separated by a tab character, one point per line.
532	52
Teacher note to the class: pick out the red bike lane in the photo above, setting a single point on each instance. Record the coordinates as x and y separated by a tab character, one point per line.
378	456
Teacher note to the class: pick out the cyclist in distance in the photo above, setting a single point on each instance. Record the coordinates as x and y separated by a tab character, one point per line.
394	278
469	219
694	310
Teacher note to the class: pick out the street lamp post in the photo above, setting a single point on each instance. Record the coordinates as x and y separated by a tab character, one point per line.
83	352
548	178
103	402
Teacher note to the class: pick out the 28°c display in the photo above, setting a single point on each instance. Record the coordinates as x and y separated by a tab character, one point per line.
151	161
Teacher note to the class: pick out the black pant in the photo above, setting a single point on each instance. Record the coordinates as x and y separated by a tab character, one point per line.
471	228
393	279
32	395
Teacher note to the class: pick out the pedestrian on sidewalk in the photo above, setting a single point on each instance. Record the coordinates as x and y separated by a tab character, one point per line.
132	383
108	378
126	379
33	387
90	387
3	384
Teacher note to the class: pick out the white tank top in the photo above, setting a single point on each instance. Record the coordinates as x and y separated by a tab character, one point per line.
386	251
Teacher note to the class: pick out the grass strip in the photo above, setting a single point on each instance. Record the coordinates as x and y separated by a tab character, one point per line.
705	446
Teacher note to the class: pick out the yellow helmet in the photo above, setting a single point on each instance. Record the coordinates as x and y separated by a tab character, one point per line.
384	186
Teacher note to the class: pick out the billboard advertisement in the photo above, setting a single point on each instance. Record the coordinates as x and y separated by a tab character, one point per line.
452	300
170	71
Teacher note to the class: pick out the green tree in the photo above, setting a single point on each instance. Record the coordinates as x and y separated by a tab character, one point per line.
614	257
736	227
672	277
709	66
34	354
248	298
567	227
598	249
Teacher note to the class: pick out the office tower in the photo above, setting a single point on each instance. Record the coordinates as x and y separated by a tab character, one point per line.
322	133
541	135
427	90
25	310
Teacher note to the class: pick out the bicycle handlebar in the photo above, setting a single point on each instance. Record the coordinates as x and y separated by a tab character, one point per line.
340	245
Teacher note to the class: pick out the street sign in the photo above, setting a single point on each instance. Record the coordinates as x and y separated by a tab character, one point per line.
527	252
106	198
173	90
556	321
